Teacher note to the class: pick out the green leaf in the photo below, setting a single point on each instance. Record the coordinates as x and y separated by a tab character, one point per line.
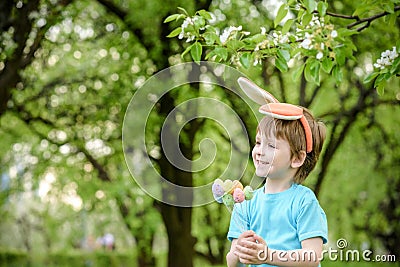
173	17
196	51
307	72
314	71
395	66
387	76
310	5
210	37
327	65
306	19
380	89
281	64
221	52
199	22
257	38
337	74
379	79
371	77
287	25
235	44
340	57
175	32
282	12
283	54
297	72
183	10
245	60
322	7
205	14
343	32
187	50
300	15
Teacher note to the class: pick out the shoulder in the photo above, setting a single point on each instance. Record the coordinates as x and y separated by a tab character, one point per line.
304	195
304	191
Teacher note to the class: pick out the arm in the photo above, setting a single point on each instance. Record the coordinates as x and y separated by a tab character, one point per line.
308	255
231	259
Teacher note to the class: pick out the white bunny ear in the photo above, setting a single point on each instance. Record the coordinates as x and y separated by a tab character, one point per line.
255	93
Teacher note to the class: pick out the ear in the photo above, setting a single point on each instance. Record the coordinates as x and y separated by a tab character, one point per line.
298	161
255	93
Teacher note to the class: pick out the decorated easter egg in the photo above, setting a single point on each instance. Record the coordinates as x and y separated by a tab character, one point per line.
218	192
218	181
248	192
227	186
227	199
238	195
236	184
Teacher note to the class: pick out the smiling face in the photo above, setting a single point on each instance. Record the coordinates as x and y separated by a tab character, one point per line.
272	157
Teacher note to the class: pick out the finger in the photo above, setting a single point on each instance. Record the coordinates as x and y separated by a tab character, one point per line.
244	250
242	255
245	261
259	239
248	233
249	244
250	239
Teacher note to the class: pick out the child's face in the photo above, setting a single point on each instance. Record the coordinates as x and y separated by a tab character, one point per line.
272	157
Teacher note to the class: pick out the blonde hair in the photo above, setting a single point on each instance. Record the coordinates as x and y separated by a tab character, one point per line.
293	132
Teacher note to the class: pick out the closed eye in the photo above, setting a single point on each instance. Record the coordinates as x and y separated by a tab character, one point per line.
271	145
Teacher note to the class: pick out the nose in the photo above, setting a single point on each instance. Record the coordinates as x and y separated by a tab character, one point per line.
259	150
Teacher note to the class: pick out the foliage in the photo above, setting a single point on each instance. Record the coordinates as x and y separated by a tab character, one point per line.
75	258
302	32
62	165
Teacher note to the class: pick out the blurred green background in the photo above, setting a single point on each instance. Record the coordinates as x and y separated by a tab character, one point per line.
68	70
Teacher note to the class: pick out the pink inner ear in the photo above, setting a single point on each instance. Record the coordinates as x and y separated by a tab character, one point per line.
255	93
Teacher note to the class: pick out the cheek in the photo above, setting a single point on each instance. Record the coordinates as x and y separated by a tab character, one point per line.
253	153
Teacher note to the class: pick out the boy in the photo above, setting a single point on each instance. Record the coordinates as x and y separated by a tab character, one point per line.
287	226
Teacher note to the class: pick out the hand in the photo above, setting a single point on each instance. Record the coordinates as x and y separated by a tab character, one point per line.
251	248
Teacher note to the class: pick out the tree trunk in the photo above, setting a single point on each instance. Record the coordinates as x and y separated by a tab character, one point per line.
180	240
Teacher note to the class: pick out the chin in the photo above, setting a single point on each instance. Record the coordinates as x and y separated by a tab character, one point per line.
261	173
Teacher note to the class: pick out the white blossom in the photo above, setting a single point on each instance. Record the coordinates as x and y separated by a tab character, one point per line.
387	58
227	33
334	34
307	42
188	21
319	55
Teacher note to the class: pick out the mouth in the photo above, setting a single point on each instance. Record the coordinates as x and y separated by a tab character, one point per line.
260	162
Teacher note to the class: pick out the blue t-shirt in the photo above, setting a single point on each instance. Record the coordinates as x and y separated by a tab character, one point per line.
283	219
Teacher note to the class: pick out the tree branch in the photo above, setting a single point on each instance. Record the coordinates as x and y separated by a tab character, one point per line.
25	116
369	20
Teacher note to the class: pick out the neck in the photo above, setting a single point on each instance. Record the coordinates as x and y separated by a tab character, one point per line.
276	186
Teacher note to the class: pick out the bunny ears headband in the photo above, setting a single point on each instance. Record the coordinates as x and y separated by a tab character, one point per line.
270	106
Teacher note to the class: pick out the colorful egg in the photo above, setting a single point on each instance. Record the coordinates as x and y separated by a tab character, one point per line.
227	199
227	186
238	195
248	192
236	184
218	192
218	181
